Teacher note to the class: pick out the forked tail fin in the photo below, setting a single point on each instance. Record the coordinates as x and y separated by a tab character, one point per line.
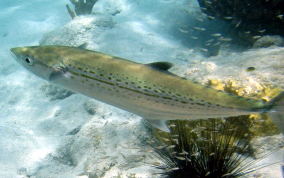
276	114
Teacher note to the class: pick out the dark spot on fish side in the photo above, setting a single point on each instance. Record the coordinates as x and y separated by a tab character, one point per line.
169	98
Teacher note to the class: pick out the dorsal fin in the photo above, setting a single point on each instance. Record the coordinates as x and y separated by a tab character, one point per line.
165	66
83	46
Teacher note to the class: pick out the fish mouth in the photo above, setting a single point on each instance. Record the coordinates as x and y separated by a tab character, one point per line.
13	52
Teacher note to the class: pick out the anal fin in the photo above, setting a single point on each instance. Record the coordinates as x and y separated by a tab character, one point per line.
160	124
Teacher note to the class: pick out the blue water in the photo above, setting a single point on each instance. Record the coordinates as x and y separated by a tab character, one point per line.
38	134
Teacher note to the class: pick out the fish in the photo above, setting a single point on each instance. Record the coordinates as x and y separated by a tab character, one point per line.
280	16
147	90
228	18
211	17
198	28
200	20
238	24
256	37
216	34
183	31
194	37
203	49
225	39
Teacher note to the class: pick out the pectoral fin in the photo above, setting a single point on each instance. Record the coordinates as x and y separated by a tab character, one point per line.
160	124
55	75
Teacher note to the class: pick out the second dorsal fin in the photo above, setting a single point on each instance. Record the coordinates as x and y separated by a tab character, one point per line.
83	46
165	66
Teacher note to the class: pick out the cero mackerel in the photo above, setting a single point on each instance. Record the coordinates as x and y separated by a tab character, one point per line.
148	90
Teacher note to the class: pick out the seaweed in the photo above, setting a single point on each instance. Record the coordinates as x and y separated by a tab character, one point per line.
81	7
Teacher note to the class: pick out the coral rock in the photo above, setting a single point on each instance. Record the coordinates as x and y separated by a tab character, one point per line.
268	40
81	7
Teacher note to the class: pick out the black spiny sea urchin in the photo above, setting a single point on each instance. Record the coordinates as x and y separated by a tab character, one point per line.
213	148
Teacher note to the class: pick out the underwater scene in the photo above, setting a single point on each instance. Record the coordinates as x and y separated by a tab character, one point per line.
141	88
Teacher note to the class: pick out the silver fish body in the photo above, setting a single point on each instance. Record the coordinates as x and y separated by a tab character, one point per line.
147	90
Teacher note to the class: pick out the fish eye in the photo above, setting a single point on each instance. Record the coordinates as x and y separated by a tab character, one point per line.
28	61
